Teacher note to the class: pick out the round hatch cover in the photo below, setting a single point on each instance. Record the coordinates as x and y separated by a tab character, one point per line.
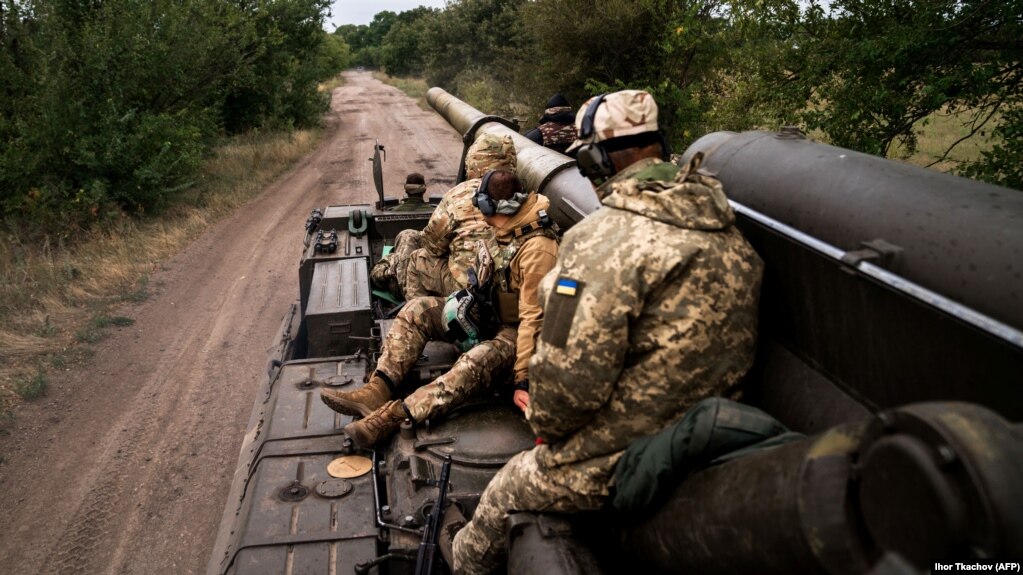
485	435
334	488
348	466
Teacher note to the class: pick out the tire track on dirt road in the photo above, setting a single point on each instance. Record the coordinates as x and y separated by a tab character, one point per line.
126	465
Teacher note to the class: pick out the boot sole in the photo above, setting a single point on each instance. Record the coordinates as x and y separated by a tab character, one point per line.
345	407
354	432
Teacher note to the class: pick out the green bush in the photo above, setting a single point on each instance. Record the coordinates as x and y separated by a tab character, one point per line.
110	107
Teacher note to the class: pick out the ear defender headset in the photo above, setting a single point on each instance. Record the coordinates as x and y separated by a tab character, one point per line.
488	206
482	200
592	159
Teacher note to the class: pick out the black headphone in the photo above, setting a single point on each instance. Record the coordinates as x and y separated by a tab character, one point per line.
592	159
482	200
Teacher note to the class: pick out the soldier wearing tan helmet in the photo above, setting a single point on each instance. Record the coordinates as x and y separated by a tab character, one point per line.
651	307
433	261
494	332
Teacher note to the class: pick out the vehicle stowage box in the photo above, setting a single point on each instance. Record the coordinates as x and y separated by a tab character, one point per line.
349	246
338	307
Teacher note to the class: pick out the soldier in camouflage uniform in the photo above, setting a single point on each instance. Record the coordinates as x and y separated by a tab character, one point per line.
388	273
449	238
557	125
415	192
433	261
526	249
651	307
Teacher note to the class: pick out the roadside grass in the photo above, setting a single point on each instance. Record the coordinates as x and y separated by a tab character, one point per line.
939	131
31	386
58	297
415	88
480	93
329	85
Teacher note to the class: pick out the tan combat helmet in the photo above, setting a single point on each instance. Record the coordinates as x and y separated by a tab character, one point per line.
489	152
624	113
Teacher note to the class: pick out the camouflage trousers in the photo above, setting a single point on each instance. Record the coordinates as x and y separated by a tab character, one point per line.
523	484
422	320
429	275
390	273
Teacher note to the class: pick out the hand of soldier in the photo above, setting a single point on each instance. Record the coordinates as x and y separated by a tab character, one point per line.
521	399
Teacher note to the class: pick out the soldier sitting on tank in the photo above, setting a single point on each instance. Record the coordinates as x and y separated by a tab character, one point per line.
434	261
526	248
385	273
557	125
415	192
651	307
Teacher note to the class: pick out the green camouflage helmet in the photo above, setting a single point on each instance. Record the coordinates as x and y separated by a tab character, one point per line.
489	152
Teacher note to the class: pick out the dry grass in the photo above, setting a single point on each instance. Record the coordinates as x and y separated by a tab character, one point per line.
939	131
415	88
329	85
56	297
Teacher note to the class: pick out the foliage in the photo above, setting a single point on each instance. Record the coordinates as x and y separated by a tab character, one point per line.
1003	164
366	41
874	72
403	47
867	74
111	107
291	55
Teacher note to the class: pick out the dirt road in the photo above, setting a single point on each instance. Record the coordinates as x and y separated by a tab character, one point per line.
125	465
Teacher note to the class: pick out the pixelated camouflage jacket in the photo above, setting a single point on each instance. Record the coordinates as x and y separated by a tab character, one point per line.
454	228
527	258
651	307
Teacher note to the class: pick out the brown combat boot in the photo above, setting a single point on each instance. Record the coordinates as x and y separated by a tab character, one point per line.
377	426
362	401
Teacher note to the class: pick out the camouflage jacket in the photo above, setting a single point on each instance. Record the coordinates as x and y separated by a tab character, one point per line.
651	307
525	259
454	228
556	129
557	136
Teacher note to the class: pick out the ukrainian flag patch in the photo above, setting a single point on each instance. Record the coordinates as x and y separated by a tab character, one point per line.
567	287
559	312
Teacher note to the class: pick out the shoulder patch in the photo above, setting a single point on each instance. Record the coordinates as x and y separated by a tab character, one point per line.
559	313
567	287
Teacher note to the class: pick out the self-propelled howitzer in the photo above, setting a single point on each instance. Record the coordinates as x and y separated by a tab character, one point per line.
909	392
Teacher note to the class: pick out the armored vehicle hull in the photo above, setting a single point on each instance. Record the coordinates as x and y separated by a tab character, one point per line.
890	337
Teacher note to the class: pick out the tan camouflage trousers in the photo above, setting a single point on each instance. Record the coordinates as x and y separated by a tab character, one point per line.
521	485
390	273
422	320
429	275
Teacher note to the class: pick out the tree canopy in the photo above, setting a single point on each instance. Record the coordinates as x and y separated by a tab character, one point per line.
111	105
864	74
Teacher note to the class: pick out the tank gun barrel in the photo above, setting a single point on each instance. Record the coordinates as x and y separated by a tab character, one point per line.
889	283
541	169
958	237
